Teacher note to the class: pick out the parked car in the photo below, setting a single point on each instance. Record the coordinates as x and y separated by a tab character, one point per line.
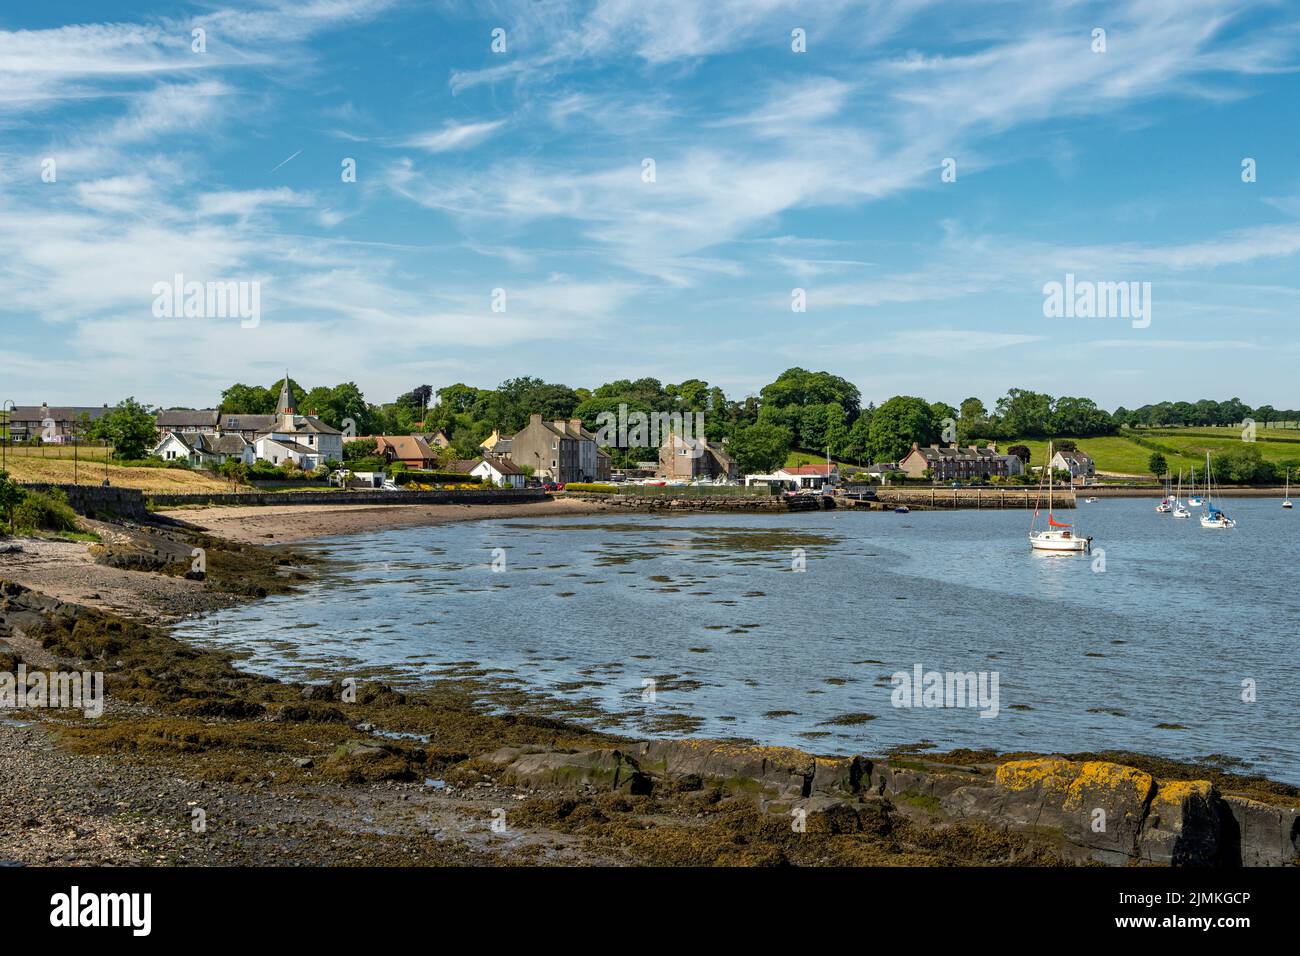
553	486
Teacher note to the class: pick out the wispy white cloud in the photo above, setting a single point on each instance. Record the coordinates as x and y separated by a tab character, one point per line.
454	136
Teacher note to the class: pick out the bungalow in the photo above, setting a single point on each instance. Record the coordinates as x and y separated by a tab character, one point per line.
203	451
501	472
411	450
883	471
810	476
693	459
1076	463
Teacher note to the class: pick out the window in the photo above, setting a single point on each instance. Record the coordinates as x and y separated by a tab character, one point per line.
554	445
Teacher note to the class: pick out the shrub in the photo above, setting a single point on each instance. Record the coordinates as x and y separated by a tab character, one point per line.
437	478
45	511
596	487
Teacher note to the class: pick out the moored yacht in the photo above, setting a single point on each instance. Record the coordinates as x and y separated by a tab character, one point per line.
1057	536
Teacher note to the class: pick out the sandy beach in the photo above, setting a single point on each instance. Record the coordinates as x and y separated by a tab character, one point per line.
293	523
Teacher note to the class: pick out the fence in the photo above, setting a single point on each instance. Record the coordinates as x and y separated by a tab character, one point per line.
82	450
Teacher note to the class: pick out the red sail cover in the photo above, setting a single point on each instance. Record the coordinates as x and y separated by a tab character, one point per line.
1056	524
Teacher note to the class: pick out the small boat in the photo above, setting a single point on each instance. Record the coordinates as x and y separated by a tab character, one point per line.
902	510
1167	502
1213	516
1057	536
1179	510
1286	495
1090	501
1193	499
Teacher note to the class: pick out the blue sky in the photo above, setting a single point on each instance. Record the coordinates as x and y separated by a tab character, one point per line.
774	170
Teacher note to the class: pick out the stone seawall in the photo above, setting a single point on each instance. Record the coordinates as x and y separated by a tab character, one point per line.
254	499
668	503
99	501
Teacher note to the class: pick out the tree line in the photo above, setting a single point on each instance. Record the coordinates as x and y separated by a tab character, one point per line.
813	411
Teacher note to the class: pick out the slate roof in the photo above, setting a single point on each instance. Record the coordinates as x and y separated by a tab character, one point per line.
174	419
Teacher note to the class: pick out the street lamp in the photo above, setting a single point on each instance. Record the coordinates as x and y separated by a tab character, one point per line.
5	438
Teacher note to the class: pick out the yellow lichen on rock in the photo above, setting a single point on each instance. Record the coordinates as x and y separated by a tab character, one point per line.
1095	775
1049	773
1178	792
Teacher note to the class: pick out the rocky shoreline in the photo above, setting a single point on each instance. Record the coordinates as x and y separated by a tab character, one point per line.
282	773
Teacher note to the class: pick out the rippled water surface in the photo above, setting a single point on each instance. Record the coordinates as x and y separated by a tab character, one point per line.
1143	648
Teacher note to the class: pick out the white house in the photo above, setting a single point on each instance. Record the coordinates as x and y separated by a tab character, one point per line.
202	450
1076	463
501	472
811	475
303	439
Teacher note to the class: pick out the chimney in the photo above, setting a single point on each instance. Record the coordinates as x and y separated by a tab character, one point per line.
916	446
535	418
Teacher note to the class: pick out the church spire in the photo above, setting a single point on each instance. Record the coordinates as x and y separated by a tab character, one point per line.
285	405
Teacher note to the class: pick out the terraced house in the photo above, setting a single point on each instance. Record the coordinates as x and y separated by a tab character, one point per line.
955	463
52	423
560	451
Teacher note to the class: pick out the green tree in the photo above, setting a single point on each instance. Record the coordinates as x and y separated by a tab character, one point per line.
1025	413
242	399
761	447
1157	464
129	428
11	495
360	448
898	423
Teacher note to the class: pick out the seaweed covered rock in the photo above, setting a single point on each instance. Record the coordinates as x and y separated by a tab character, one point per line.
1095	805
366	761
603	769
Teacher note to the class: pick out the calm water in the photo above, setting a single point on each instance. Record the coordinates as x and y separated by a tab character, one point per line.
740	645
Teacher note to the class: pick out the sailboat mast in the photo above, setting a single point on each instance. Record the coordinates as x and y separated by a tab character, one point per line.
1049	483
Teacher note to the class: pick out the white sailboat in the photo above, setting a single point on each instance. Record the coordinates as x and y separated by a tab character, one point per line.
1166	503
1179	510
1213	517
1193	498
1057	536
1286	495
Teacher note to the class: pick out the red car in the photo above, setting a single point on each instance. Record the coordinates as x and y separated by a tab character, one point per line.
553	486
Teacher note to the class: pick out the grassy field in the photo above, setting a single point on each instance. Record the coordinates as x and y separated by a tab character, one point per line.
797	458
1183	448
34	468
